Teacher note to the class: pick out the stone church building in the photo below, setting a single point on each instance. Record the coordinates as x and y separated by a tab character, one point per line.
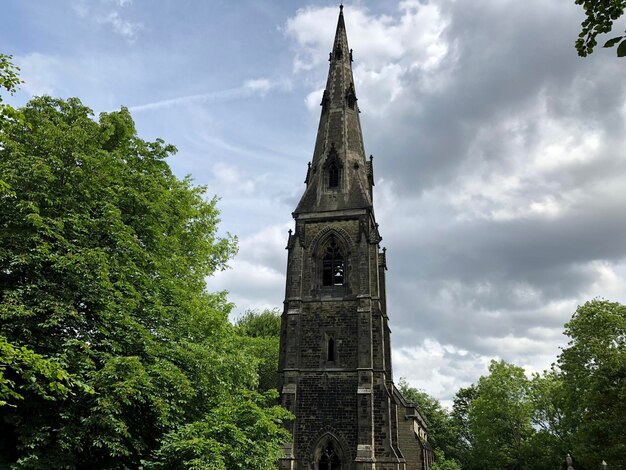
335	353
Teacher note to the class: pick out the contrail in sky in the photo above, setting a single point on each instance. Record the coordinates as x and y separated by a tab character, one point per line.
249	88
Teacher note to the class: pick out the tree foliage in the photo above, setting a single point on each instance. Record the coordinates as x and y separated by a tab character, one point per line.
593	369
509	421
33	373
262	332
444	463
460	417
230	437
600	16
551	439
9	81
500	418
103	259
20	367
259	324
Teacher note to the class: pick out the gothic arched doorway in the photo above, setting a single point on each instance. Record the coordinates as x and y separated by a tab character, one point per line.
329	460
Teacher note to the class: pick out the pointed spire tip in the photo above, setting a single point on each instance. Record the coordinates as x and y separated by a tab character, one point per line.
341	7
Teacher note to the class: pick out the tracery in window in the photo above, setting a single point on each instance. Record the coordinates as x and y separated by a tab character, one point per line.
333	264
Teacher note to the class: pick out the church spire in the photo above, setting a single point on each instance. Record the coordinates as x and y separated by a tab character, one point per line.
334	367
339	176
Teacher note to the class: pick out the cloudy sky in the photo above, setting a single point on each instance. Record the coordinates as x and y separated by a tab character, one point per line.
499	154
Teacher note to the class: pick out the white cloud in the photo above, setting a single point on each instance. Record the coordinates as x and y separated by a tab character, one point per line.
260	267
438	369
609	281
42	74
94	78
121	26
387	49
412	38
527	179
81	8
228	180
472	283
262	85
313	100
109	13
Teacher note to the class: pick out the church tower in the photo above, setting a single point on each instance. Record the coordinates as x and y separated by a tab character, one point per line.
335	354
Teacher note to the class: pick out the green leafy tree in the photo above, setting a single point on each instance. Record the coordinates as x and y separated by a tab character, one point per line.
20	367
593	368
500	419
9	81
261	331
444	463
103	259
259	324
460	419
233	436
551	440
34	373
600	16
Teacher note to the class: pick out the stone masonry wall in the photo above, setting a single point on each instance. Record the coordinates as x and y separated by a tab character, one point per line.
410	445
322	320
326	403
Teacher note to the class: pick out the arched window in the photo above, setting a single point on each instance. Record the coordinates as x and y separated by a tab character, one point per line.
333	264
329	460
333	175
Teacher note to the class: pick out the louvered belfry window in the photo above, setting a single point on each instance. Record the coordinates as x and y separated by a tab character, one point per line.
333	264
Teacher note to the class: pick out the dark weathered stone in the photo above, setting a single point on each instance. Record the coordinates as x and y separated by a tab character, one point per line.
335	354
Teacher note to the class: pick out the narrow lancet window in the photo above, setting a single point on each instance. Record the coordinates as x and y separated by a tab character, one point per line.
333	264
333	175
331	350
